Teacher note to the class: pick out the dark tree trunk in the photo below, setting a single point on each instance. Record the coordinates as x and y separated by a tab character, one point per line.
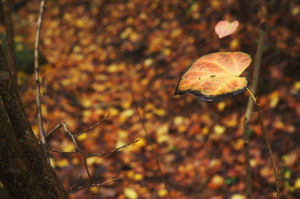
24	169
10	43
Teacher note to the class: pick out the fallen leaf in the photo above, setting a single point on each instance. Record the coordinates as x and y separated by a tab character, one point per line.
274	99
216	182
138	177
221	106
237	196
297	183
162	192
219	130
62	163
130	193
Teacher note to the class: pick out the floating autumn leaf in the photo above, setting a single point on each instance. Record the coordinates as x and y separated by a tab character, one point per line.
225	28
215	76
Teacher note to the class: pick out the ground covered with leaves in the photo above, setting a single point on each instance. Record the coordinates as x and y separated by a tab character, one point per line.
116	56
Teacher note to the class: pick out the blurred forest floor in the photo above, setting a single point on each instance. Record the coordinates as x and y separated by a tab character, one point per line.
100	53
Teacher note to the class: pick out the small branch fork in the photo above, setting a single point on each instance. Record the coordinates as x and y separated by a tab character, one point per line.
85	156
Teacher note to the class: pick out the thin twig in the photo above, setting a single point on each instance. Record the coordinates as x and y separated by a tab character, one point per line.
58	126
276	173
93	126
250	109
46	104
54	129
76	187
37	78
152	147
85	156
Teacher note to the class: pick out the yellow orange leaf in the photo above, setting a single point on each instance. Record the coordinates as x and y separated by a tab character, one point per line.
216	182
238	196
68	147
138	177
182	128
167	51
160	112
234	44
297	183
112	68
290	159
215	76
239	144
124	115
75	161
130	193
162	138
221	106
148	115
178	120
62	163
148	62
162	192
219	130
94	189
136	147
91	160
205	130
274	97
297	85
82	137
126	105
113	111
162	129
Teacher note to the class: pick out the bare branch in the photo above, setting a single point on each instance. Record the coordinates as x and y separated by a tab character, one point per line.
85	156
37	78
54	129
91	127
115	150
94	184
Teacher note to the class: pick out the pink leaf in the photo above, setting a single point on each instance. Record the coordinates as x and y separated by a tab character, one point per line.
225	28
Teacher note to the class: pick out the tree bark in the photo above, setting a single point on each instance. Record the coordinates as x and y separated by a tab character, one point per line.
10	42
26	171
14	170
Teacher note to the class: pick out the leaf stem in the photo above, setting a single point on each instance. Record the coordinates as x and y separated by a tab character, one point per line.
251	95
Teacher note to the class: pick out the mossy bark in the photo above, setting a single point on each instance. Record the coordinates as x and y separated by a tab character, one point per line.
31	175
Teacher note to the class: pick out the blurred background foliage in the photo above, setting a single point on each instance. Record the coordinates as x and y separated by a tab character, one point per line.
101	52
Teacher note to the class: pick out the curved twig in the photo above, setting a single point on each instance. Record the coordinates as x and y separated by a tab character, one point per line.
37	78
